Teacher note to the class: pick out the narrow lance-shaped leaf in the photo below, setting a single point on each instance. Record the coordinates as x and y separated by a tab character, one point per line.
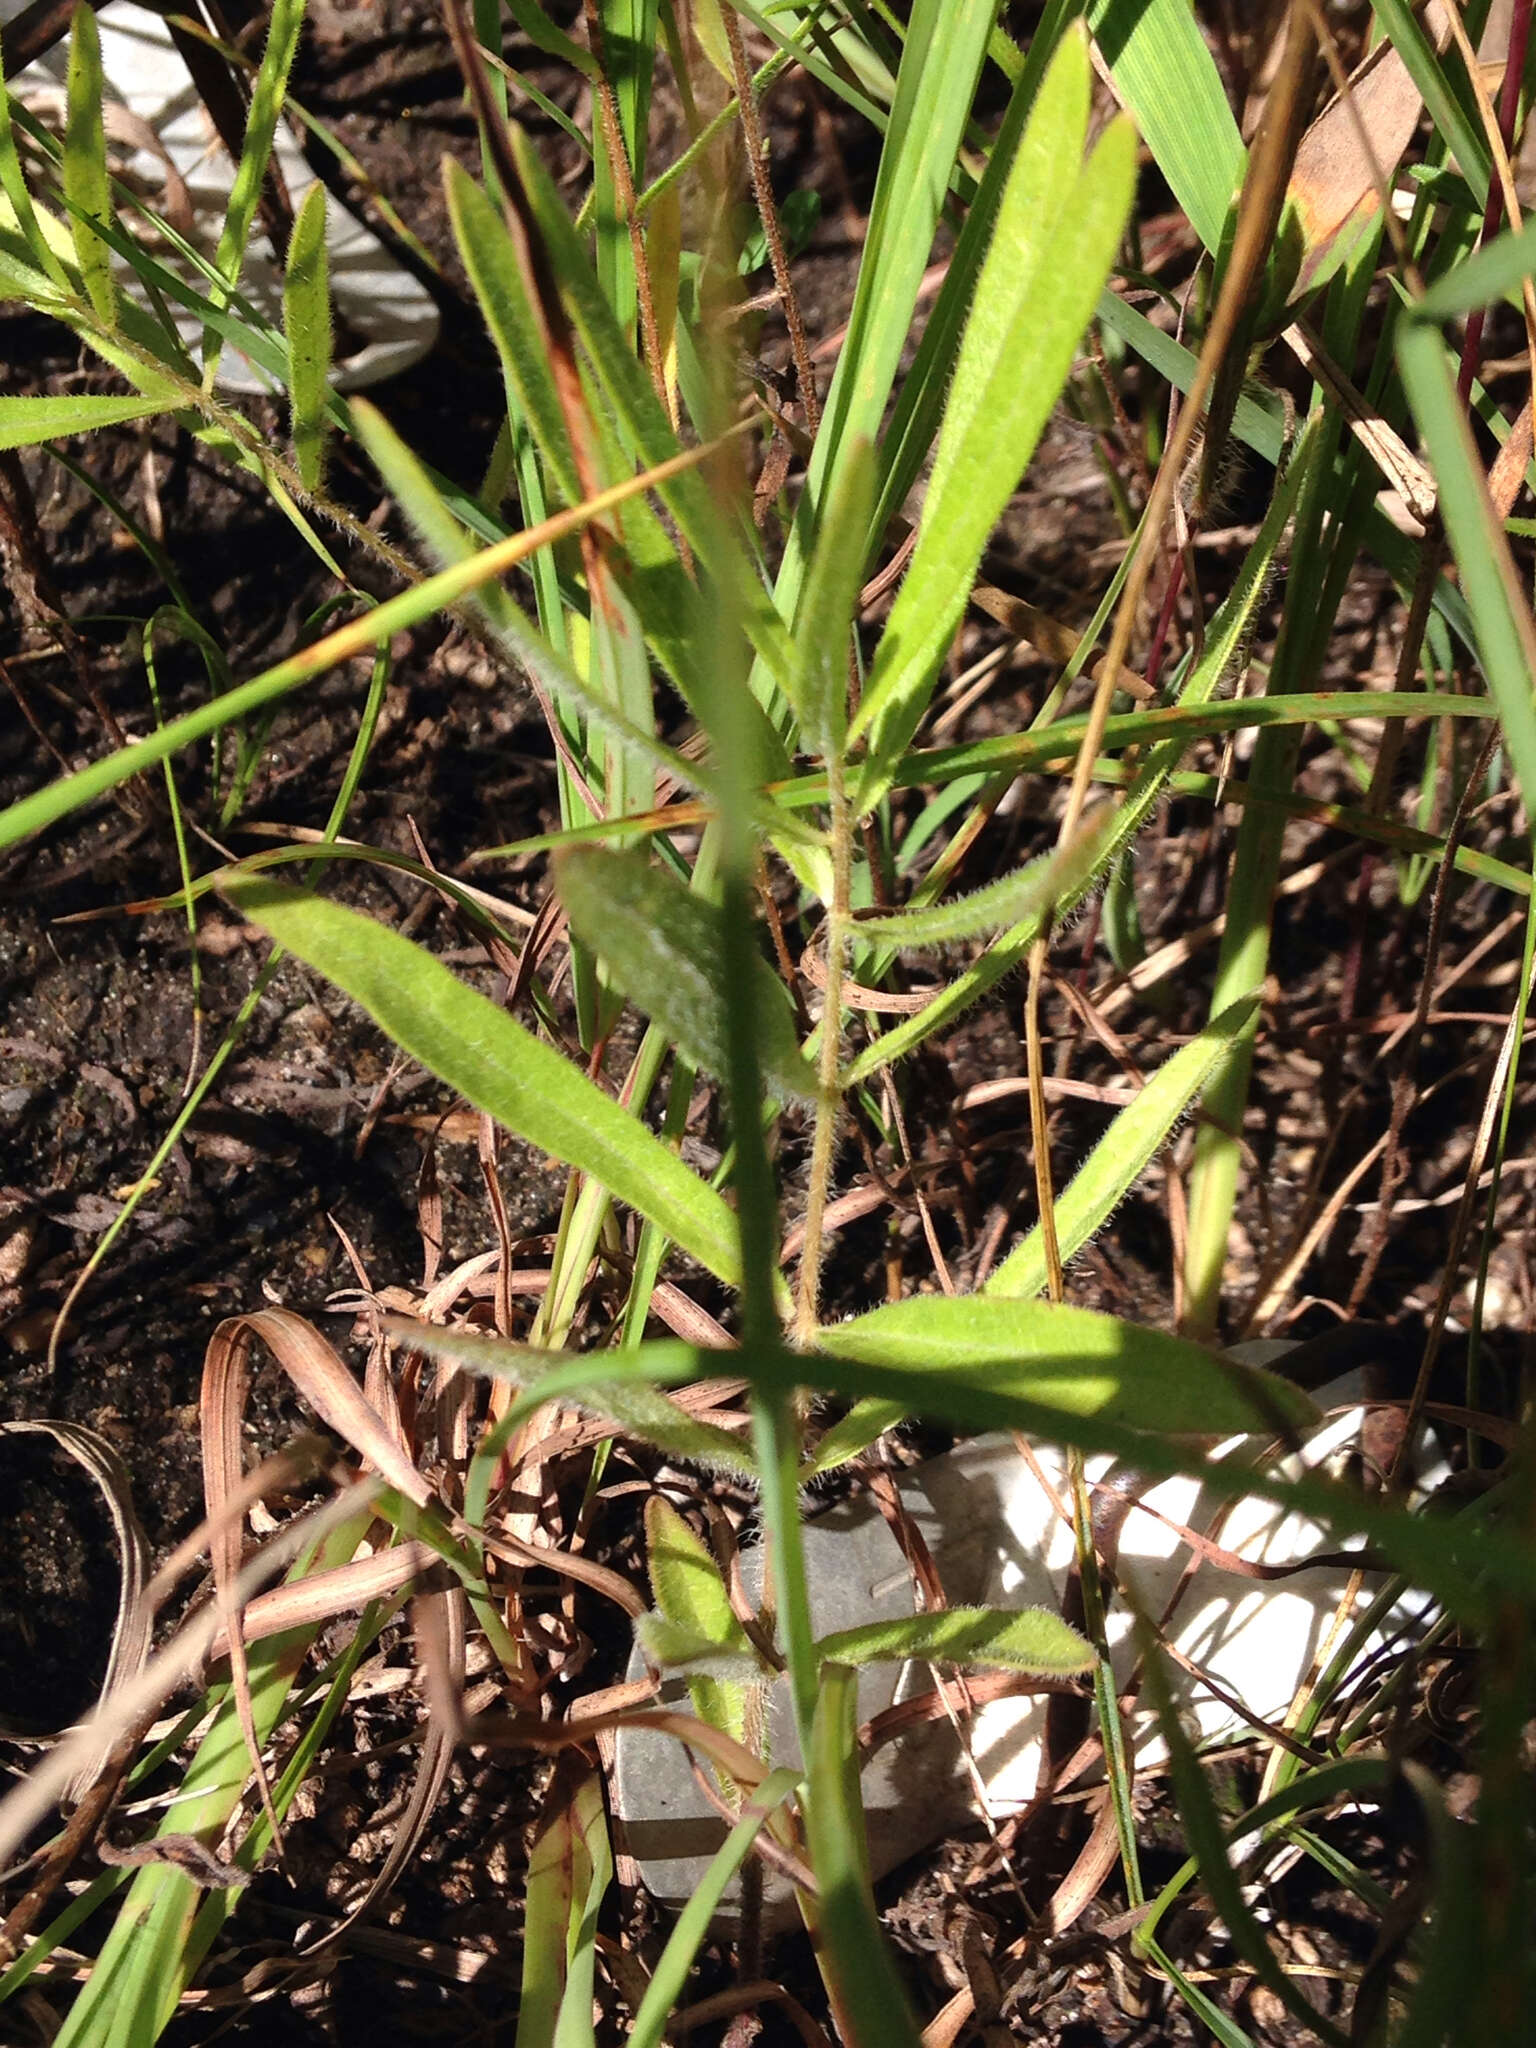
85	163
1506	640
1167	77
14	185
867	1998
1125	1151
464	1038
24	422
665	947
1073	1359
980	1638
1059	877
691	1600
817	684
307	327
1225	639
1035	296
260	131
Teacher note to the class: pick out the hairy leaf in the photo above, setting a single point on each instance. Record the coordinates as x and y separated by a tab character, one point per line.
665	947
494	1063
979	1638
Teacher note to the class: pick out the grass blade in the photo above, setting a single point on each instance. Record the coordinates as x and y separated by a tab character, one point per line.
1074	1359
24	422
1505	636
1168	79
671	1972
941	62
1051	251
867	1997
979	1638
1125	1151
260	131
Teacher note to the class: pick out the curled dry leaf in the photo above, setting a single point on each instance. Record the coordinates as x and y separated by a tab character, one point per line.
135	1614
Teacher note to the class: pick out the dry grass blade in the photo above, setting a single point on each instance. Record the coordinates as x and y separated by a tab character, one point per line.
325	1595
29	1802
135	1614
331	1391
439	1625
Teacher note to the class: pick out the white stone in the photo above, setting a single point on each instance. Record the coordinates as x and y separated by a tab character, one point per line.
382	303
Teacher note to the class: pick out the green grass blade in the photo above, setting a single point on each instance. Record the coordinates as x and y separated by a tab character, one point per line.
86	186
867	1997
1500	266
1225	638
1502	619
13	184
920	402
1168	79
260	131
363	636
475	1047
945	48
1207	1839
1451	116
489	258
1054	878
1049	258
670	1975
817	684
1125	1151
307	329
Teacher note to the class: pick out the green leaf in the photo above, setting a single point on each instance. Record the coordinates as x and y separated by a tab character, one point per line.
665	947
85	163
673	1646
670	1976
979	1638
1168	79
1225	637
941	61
691	1599
1072	1359
1501	616
1459	128
307	327
1207	1838
1050	254
1059	877
473	1045
25	422
491	262
260	131
864	1424
817	684
14	185
1499	266
1125	1151
648	437
867	1999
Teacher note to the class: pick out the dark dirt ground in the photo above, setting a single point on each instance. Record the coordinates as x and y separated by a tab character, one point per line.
310	1126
